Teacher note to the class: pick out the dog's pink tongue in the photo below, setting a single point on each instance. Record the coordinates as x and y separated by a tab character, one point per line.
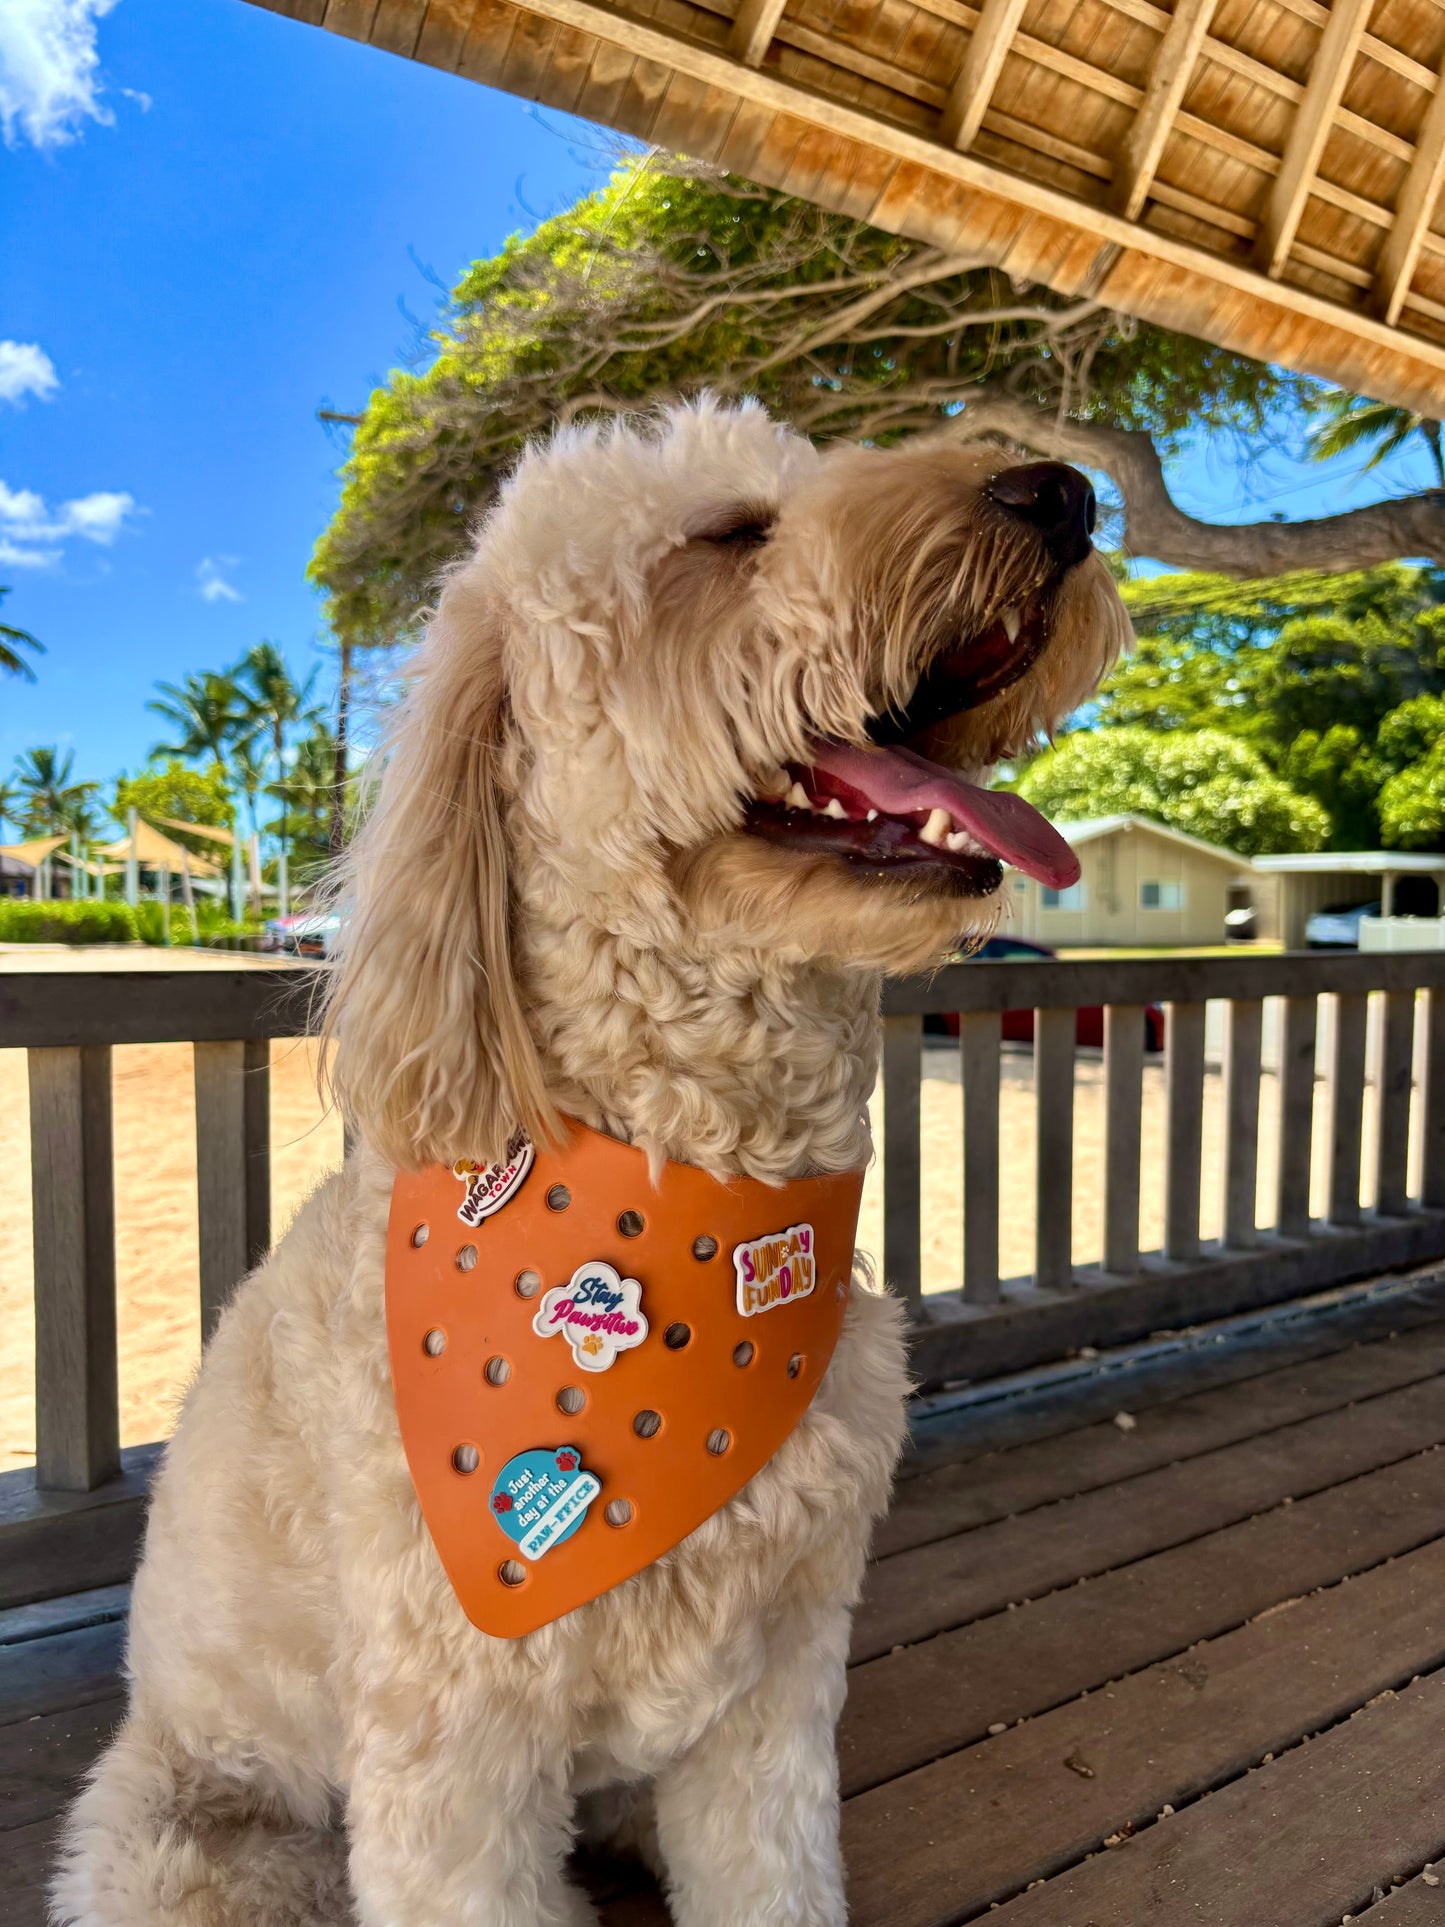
898	782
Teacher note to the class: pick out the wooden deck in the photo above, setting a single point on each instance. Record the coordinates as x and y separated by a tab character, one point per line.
1164	1642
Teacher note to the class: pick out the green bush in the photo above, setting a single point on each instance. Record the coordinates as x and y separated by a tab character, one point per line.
92	922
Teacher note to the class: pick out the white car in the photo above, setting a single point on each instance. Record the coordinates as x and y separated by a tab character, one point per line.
1338	927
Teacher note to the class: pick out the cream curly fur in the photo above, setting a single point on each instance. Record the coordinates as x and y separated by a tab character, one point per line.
552	909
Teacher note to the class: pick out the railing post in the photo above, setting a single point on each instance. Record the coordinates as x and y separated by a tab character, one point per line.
1242	1037
77	1404
1297	1045
1054	1035
1394	1073
902	1121
1183	1130
233	1167
1347	1098
1123	1105
979	1034
1432	1103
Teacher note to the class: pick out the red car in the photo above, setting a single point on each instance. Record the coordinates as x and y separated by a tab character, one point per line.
1018	1025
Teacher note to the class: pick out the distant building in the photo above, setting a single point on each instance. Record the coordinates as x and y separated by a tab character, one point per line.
1289	889
1143	883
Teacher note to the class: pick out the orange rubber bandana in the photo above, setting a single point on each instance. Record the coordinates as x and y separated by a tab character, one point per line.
588	1366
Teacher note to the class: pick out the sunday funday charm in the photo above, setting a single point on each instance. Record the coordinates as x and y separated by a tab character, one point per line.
598	1312
775	1269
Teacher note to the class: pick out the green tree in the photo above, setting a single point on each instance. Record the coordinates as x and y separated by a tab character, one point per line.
51	802
1348	424
276	704
1204	782
172	790
9	804
1412	804
206	713
12	641
307	794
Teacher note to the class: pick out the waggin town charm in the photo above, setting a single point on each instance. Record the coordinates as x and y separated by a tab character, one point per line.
490	1185
598	1312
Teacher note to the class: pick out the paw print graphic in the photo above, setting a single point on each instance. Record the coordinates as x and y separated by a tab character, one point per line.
566	1461
502	1502
592	1344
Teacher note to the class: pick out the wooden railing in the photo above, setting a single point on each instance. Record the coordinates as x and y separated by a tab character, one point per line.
74	1520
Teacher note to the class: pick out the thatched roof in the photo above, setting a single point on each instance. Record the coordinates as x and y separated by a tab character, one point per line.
1262	173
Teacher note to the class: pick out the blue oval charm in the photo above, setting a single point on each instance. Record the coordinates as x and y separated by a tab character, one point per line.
541	1497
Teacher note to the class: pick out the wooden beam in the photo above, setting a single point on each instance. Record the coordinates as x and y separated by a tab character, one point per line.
973	89
1173	67
753	29
1329	74
1413	214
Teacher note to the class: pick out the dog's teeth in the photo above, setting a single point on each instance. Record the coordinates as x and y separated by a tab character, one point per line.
1012	622
834	808
936	828
797	798
872	816
958	841
776	785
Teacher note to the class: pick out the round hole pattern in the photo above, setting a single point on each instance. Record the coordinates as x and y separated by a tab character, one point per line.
743	1354
467	1258
704	1248
558	1198
677	1337
796	1364
511	1572
571	1399
631	1224
647	1425
718	1441
497	1370
529	1283
435	1343
618	1512
420	1235
466	1458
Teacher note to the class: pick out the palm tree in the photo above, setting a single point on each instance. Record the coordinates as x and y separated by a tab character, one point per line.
12	641
50	800
208	714
275	703
1348	423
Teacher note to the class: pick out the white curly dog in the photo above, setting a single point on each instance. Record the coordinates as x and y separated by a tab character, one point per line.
654	820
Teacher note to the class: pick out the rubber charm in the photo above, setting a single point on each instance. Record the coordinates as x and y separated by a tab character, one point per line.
599	1313
776	1269
541	1497
490	1185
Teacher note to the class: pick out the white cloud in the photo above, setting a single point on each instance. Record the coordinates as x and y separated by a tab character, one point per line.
29	531
26	369
211	583
49	69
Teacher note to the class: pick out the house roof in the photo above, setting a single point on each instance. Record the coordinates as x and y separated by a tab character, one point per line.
1262	173
1354	862
1091	828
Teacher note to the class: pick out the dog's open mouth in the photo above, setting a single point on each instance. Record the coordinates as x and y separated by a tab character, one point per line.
888	809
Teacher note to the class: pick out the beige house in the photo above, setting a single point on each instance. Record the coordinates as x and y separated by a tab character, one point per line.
1142	883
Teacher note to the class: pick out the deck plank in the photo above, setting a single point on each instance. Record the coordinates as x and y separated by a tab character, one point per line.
1021	1806
913	1706
917	1594
24	1866
42	1760
64	1670
1419	1903
955	1498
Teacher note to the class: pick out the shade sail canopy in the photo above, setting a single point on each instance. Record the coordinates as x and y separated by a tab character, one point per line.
1261	173
156	852
35	851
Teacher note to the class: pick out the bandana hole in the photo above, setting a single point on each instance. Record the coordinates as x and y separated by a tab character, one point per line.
571	1399
677	1337
466	1458
497	1371
704	1248
796	1364
743	1354
618	1512
420	1235
558	1198
718	1442
435	1343
647	1425
511	1572
631	1224
467	1258
529	1283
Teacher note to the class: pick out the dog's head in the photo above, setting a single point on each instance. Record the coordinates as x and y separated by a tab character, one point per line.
704	689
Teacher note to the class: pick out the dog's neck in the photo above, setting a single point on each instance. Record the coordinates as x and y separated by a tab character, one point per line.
725	1060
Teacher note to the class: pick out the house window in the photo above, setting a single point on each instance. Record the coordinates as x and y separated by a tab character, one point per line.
1070	899
1161	896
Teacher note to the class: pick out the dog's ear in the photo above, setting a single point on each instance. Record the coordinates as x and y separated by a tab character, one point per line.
431	1057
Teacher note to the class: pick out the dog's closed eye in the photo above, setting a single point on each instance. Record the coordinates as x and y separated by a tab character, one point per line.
742	525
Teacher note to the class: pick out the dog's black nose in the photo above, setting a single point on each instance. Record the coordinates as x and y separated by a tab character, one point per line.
1056	500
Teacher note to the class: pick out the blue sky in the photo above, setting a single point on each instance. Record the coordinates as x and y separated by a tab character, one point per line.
214	221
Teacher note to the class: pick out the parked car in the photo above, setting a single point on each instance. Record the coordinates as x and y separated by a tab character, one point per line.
302	934
1338	926
1018	1025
